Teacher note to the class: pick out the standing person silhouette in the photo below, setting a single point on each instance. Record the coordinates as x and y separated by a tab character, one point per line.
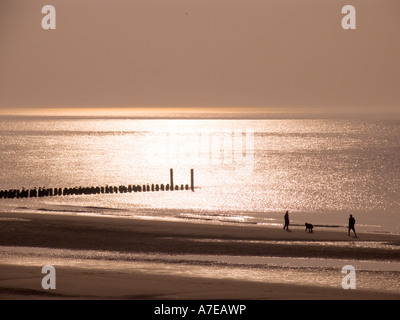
352	223
286	226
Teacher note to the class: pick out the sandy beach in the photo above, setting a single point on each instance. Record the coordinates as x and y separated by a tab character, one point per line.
126	258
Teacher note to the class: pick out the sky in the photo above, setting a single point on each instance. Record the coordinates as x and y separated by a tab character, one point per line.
246	54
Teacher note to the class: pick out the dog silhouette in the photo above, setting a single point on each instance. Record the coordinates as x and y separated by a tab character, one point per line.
309	227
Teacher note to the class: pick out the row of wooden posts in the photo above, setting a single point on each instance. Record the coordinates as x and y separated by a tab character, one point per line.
67	191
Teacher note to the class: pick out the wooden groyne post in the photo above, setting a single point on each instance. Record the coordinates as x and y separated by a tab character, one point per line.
192	179
171	179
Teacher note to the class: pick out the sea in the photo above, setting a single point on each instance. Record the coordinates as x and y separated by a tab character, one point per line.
245	171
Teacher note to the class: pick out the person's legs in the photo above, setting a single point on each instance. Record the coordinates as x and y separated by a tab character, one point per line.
354	230
286	226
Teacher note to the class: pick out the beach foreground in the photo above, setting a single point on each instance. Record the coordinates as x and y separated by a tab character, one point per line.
126	258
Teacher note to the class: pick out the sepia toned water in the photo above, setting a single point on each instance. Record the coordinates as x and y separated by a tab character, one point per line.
378	276
245	171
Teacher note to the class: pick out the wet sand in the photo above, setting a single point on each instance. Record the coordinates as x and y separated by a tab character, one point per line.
91	279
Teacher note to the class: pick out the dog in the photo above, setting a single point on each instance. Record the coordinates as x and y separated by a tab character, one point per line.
309	227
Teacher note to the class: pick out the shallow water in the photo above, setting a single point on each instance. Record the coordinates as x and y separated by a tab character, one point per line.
370	275
246	171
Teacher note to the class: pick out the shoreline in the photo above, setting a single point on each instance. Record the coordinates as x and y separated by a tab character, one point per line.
336	221
121	236
127	234
229	229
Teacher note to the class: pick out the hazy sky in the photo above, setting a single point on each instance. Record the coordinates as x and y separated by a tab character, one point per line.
208	53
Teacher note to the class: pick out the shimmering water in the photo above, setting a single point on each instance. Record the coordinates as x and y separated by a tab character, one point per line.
371	275
246	171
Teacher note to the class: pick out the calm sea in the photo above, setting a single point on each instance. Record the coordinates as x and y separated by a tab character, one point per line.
245	171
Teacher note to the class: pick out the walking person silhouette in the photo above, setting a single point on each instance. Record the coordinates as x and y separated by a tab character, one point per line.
286	226
352	223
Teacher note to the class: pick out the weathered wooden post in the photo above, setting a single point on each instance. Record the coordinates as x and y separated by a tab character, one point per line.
192	179
171	178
